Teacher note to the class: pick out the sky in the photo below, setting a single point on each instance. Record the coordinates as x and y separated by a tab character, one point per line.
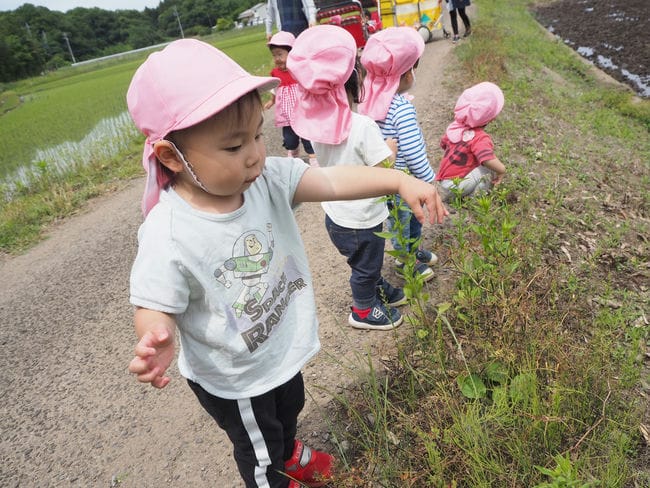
65	5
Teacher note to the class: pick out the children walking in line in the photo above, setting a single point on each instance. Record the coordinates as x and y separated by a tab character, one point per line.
220	259
284	97
469	151
390	58
323	61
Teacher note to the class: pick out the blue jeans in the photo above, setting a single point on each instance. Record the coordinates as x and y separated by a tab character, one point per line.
291	140
411	228
364	251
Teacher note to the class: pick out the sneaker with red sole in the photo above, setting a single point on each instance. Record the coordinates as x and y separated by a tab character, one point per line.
309	466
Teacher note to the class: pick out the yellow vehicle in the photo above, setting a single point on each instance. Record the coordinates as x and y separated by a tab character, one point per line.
425	16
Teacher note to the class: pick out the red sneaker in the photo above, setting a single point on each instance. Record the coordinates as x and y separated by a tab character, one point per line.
309	466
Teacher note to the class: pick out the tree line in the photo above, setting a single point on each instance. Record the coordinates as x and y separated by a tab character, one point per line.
35	39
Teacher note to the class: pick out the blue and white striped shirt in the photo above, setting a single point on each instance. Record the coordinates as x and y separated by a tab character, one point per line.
402	125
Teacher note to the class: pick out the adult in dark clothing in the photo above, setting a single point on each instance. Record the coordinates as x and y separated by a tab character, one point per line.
459	6
290	15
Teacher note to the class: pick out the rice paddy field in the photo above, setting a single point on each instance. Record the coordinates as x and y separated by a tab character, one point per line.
67	118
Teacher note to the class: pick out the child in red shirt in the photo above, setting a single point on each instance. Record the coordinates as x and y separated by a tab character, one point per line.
469	152
285	97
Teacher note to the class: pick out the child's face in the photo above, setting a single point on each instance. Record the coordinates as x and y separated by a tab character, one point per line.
280	57
226	157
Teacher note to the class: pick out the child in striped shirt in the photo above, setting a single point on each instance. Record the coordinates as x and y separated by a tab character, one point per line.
390	59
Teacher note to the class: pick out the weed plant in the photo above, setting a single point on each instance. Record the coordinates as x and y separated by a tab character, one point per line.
530	372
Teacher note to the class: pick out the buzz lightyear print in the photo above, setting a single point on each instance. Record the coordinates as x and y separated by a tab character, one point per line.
251	256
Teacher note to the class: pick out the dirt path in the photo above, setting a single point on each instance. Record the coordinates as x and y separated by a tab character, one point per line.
71	415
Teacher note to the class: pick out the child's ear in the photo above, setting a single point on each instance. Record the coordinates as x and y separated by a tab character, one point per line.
168	156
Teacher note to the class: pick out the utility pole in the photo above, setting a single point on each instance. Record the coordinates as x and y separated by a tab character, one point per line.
67	41
45	44
178	19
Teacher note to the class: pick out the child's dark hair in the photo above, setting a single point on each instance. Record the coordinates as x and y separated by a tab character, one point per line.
354	85
273	46
237	112
415	66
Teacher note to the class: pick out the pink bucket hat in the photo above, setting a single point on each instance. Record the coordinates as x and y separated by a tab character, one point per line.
475	107
282	39
178	87
321	61
388	54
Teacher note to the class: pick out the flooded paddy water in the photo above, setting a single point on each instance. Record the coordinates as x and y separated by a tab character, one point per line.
612	34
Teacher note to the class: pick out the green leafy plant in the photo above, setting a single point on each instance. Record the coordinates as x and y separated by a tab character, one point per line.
563	475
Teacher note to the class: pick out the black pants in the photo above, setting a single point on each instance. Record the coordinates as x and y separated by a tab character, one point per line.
262	429
454	19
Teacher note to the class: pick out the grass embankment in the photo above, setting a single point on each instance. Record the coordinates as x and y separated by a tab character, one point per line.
64	107
529	373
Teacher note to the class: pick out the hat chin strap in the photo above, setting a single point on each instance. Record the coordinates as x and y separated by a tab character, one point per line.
189	168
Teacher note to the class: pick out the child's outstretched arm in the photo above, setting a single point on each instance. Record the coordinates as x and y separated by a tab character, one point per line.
154	351
355	182
497	168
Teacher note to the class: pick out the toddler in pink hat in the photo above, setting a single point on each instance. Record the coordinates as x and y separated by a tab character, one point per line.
390	58
469	165
285	95
220	260
323	61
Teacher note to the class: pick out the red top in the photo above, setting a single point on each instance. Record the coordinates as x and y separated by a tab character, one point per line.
464	156
284	75
286	96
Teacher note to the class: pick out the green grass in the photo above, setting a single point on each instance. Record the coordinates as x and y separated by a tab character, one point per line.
65	106
64	110
526	372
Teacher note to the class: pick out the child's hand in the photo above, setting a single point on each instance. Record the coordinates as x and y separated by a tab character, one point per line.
498	178
418	193
497	168
269	104
153	355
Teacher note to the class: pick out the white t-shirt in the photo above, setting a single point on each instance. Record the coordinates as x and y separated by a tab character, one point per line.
238	283
364	146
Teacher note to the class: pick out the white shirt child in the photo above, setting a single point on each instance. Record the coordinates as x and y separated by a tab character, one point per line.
365	146
239	285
